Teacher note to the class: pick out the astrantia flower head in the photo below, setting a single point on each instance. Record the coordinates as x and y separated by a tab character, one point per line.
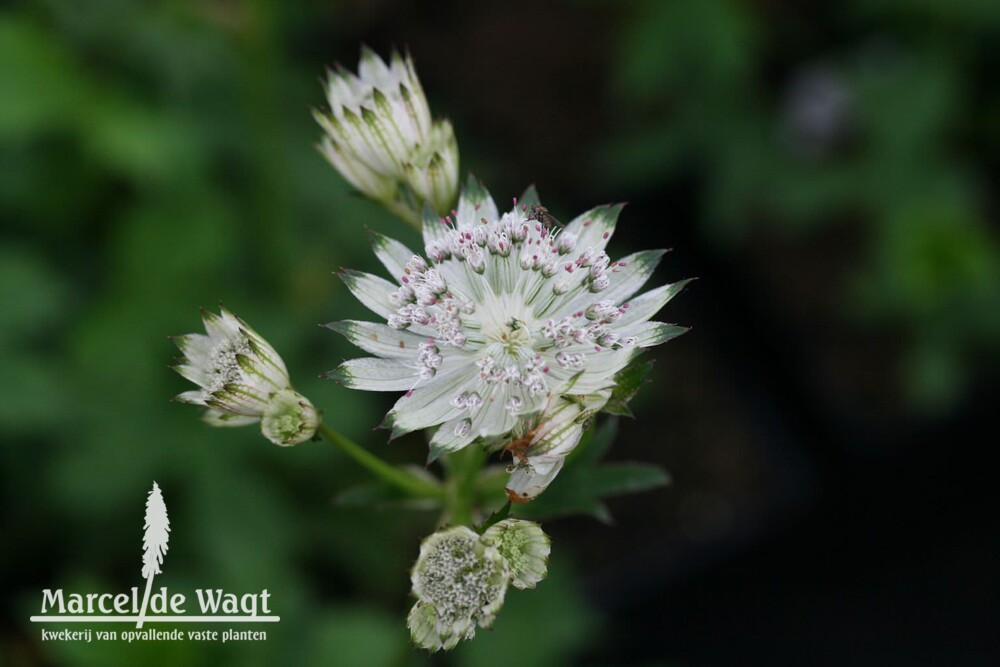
379	131
504	314
242	380
460	582
525	548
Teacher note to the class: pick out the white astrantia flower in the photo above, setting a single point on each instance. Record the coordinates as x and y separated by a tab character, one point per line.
379	132
524	546
460	582
504	315
242	380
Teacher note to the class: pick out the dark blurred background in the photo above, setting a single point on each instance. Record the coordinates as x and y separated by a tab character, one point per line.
827	169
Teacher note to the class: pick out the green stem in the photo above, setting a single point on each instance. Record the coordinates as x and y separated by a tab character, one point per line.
463	469
413	486
494	518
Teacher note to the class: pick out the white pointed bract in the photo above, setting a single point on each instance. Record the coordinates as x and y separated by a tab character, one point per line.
524	546
156	535
460	582
555	434
242	380
506	314
378	132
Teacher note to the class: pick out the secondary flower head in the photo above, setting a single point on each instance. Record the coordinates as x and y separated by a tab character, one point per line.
525	548
242	380
379	132
460	582
505	313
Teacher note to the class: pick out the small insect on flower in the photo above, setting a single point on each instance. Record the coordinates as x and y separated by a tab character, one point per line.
542	215
242	380
503	314
518	447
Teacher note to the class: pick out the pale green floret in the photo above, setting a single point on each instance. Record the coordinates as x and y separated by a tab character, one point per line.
524	546
289	419
422	623
463	581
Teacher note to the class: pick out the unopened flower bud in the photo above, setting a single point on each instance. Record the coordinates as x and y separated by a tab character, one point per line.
289	419
378	132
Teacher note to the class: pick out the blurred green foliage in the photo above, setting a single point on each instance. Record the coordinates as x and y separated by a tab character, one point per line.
872	114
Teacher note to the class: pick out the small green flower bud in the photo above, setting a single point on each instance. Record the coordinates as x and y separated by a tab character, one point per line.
289	418
525	547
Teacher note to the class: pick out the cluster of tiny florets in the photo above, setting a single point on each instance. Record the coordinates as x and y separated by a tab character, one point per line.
524	546
460	583
461	578
223	367
424	299
457	580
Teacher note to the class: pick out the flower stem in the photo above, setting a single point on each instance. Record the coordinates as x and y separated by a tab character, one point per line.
463	468
411	485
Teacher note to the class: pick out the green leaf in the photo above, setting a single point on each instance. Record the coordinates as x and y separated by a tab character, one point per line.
583	484
494	518
628	382
628	477
596	442
381	495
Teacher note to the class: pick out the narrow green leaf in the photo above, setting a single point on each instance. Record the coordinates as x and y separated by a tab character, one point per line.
628	381
382	495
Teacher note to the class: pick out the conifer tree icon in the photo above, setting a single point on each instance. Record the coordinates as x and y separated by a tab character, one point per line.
154	543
